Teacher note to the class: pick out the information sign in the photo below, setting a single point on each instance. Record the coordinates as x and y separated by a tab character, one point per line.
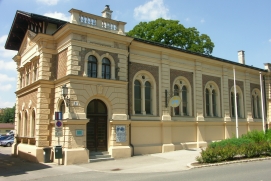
120	133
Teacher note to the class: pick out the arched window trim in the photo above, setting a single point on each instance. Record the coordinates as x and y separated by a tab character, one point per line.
147	77
90	67
112	65
99	64
25	123
106	73
33	123
97	56
214	110
20	124
256	105
180	82
240	106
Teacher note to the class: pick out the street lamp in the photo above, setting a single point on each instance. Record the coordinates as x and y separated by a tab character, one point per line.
64	93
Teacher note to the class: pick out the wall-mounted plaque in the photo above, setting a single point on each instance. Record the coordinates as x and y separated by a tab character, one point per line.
79	132
120	133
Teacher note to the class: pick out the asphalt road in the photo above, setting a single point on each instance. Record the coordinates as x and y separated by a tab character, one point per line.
251	171
13	169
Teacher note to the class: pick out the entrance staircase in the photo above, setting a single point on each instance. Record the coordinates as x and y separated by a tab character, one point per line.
99	156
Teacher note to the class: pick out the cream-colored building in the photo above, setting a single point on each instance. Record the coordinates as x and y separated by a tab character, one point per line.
119	91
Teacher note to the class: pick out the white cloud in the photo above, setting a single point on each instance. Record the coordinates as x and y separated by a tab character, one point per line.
269	40
7	65
6	87
58	15
151	10
202	20
5	78
48	2
187	19
5	104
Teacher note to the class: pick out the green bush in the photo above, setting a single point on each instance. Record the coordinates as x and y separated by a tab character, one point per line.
252	144
231	141
256	136
268	135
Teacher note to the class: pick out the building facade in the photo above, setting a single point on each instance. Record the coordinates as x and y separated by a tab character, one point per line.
120	91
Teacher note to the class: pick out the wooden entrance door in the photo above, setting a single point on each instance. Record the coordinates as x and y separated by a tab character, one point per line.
97	126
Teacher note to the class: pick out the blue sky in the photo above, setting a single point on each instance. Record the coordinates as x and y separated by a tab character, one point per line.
232	25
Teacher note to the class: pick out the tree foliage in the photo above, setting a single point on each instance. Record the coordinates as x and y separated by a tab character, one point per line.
170	32
7	115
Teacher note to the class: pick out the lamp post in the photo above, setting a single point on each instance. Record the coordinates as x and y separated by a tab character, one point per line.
64	93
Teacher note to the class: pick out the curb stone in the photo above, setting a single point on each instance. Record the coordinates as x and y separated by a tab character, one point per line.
189	165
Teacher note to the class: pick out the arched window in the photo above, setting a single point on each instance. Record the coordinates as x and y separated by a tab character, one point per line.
183	89
207	99
62	107
212	100
239	102
148	97
184	100
25	124
20	125
92	66
33	124
176	93
256	104
253	107
106	68
137	97
258	107
144	94
232	105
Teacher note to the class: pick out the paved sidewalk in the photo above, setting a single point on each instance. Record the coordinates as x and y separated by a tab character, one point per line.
13	168
159	162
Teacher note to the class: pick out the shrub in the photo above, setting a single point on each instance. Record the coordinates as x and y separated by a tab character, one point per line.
252	144
257	136
231	141
268	135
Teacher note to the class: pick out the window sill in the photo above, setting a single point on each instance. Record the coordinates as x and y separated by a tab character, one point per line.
147	117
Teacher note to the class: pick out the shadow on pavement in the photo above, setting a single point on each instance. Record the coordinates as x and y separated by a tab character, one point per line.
11	165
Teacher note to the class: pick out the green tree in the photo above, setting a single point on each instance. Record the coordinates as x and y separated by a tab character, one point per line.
8	115
170	32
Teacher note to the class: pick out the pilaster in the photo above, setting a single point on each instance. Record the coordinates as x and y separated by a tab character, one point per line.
247	96
44	66
198	91
225	95
165	85
73	60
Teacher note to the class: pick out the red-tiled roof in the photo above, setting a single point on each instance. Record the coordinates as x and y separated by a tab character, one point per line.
7	125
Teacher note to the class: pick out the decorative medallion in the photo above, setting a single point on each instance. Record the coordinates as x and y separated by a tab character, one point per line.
23	106
29	104
99	89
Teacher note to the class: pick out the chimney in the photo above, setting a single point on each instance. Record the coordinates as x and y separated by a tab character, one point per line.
267	66
241	57
106	13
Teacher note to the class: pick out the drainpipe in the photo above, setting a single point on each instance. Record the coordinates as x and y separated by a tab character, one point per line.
128	98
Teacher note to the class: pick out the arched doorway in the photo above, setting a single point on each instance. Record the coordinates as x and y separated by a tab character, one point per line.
97	126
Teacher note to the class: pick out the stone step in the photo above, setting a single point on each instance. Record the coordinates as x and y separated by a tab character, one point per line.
99	156
100	159
99	153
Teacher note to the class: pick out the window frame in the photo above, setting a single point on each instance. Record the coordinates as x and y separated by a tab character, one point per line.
256	106
182	82
143	77
212	106
239	100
